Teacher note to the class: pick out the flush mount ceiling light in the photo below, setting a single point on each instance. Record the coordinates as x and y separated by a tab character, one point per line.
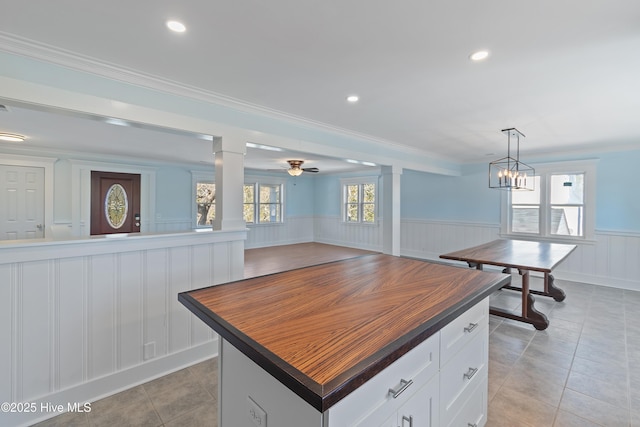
353	98
176	26
510	173
11	137
479	55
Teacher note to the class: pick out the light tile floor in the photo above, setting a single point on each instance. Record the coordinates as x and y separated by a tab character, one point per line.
581	371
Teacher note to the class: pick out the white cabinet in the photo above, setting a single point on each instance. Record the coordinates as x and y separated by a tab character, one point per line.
421	410
382	396
464	351
440	382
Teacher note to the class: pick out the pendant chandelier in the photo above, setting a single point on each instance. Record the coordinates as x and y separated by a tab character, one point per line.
509	173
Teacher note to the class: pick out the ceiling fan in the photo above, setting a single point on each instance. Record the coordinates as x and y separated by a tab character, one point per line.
296	170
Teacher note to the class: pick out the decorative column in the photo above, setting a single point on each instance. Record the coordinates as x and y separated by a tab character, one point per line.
391	210
229	179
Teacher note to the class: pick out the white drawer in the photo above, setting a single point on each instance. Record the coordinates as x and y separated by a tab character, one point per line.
372	403
460	331
474	411
459	378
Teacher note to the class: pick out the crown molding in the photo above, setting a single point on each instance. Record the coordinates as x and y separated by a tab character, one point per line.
43	52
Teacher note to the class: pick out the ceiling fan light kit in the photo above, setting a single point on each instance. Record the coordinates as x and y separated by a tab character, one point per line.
296	170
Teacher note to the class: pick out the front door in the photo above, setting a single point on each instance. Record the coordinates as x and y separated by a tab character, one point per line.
21	202
115	203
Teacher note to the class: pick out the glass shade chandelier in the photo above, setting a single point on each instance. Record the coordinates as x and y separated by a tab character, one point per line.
509	173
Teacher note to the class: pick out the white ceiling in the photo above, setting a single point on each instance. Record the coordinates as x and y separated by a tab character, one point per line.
565	73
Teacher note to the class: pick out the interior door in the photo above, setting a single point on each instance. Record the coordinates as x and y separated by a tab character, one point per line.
21	202
115	203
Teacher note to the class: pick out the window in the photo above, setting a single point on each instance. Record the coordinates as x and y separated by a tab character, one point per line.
561	206
205	203
359	201
203	199
262	203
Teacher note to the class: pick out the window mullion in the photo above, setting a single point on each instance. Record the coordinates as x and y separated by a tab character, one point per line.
360	203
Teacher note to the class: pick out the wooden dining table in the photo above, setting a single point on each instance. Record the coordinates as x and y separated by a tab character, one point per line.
525	256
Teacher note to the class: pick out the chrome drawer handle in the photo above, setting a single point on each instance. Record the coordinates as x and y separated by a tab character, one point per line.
471	327
470	373
404	384
410	419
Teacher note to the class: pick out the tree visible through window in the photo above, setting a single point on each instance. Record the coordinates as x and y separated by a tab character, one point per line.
360	202
205	202
262	203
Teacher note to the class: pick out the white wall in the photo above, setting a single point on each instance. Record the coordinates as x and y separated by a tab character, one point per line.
76	316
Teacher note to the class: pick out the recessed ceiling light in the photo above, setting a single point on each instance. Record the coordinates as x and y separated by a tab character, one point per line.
353	98
11	137
479	55
176	26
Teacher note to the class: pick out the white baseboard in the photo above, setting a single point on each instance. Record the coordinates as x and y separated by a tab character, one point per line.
99	388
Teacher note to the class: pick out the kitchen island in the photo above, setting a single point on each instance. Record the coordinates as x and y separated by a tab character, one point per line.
374	340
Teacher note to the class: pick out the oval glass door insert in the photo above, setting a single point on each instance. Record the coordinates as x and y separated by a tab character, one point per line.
116	206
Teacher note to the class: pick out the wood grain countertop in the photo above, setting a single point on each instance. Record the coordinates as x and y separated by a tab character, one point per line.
324	330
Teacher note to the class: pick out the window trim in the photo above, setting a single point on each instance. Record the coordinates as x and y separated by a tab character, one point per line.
256	181
359	181
545	170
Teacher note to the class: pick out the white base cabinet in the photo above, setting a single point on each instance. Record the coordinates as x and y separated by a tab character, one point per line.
441	382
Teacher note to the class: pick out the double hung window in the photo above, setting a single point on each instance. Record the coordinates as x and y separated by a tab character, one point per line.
359	201
262	203
561	206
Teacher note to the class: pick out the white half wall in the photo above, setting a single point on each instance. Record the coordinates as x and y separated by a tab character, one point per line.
84	319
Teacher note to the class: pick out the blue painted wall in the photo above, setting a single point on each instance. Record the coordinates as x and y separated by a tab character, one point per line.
618	192
468	198
299	196
454	198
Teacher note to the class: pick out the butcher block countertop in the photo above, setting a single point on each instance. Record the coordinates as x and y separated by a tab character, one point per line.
324	330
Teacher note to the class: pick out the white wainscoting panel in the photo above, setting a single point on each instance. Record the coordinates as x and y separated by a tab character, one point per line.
333	231
430	239
613	259
292	230
95	316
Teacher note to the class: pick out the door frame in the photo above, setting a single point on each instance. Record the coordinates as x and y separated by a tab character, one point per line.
81	194
47	163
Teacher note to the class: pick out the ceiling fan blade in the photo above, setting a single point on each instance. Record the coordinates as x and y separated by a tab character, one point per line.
313	170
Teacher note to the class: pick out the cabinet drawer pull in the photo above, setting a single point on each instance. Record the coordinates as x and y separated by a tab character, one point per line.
404	384
410	419
471	327
470	373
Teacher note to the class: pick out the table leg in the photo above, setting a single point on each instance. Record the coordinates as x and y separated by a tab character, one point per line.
529	313
552	290
533	316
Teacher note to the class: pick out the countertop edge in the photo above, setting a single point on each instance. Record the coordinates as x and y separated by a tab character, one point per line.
319	397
